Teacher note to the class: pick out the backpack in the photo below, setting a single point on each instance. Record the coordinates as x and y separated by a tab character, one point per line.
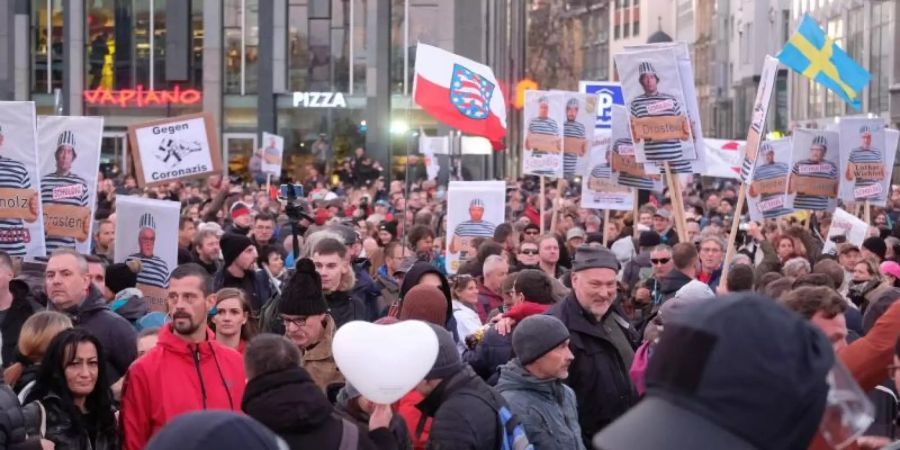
512	433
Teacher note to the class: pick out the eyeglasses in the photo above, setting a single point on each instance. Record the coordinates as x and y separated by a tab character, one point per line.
298	322
660	260
528	252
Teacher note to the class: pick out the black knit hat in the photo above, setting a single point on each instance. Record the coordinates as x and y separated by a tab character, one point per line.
232	244
875	245
303	294
120	276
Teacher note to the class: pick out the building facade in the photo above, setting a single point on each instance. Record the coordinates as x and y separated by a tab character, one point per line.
321	73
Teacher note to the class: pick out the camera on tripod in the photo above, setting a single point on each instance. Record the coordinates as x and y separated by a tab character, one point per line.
296	207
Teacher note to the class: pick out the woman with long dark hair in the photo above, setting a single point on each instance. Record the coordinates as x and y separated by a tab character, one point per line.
70	403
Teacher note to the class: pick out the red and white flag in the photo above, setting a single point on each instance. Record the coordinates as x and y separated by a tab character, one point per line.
459	92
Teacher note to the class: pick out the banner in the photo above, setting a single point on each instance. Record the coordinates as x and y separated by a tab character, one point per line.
760	111
438	145
176	148
723	158
865	169
813	183
851	228
766	193
608	94
144	228
21	220
272	154
598	189
474	209
543	115
69	154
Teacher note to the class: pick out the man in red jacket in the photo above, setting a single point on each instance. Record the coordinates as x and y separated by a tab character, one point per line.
187	370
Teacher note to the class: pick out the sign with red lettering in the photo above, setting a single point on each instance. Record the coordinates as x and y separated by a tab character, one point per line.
140	97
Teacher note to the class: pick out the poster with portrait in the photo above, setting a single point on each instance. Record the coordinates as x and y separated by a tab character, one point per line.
272	153
767	182
815	170
758	120
845	227
175	148
544	115
69	155
625	170
598	189
865	169
21	221
658	111
474	209
145	230
578	131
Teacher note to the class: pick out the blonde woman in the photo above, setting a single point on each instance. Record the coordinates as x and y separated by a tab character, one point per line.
37	332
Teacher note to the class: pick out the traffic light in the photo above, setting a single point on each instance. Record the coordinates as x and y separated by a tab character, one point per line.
521	87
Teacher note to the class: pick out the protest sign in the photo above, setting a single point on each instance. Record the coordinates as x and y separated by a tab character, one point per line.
655	98
766	196
598	189
813	183
625	170
865	175
272	154
69	154
845	227
608	94
760	110
21	221
578	131
543	115
474	209
144	228
723	158
438	145
175	148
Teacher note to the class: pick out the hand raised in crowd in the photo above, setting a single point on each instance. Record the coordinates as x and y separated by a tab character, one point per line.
381	417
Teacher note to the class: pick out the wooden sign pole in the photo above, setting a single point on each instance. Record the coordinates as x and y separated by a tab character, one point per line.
635	214
680	224
543	201
732	235
605	227
868	213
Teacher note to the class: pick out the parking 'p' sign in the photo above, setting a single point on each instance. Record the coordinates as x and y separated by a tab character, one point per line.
609	94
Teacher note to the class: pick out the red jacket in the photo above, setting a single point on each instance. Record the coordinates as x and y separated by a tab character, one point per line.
178	377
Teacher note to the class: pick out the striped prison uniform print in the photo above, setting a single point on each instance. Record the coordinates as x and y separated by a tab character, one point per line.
57	183
656	105
860	155
154	271
628	179
813	202
771	172
571	129
13	175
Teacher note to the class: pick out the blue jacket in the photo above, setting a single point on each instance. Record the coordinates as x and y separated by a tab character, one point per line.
262	288
493	351
366	290
546	408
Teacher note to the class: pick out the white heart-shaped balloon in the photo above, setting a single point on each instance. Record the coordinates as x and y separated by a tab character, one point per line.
384	362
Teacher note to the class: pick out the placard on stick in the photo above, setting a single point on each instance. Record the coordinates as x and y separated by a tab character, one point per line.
176	148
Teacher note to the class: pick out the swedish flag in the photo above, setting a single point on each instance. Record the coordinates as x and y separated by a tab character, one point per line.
814	54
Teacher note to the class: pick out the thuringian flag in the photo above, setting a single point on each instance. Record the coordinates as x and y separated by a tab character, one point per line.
814	54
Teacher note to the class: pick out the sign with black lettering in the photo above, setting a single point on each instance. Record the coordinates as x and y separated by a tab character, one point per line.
175	148
21	221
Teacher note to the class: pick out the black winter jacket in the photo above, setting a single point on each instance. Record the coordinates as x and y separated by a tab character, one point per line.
345	308
291	405
461	417
598	375
672	282
21	309
65	431
116	334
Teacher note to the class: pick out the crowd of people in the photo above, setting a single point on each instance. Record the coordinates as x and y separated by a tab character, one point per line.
563	331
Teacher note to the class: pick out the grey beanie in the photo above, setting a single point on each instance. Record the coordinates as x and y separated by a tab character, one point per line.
587	257
536	336
447	362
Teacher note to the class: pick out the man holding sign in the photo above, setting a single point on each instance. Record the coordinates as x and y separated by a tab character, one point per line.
653	103
18	199
472	228
768	183
814	180
543	134
64	196
575	138
866	168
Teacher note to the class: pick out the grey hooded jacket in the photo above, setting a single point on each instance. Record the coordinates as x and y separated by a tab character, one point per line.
546	408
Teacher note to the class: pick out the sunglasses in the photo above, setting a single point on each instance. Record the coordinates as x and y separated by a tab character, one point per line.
529	252
660	260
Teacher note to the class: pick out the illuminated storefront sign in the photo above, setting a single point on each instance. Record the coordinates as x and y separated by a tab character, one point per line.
319	100
140	97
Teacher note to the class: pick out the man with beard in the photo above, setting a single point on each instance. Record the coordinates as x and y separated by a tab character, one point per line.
14	175
154	271
187	370
62	187
206	250
239	270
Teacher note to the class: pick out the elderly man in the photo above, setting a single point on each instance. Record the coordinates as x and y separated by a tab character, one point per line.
712	253
662	225
490	290
154	271
601	341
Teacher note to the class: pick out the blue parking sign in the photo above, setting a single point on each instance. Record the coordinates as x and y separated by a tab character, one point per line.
609	94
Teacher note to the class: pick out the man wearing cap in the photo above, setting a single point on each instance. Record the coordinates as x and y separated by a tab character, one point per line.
532	384
662	225
573	130
574	238
463	408
239	270
848	257
653	103
241	220
14	175
154	271
601	340
640	267
542	125
62	187
472	228
864	186
769	169
815	167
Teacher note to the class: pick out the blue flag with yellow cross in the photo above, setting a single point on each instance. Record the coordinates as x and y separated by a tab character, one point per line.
814	54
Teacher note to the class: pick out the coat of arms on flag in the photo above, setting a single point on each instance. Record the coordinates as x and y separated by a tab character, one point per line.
470	92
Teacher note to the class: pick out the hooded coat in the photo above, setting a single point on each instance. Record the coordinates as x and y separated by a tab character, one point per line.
116	335
546	408
462	417
415	273
290	403
21	309
672	282
177	377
